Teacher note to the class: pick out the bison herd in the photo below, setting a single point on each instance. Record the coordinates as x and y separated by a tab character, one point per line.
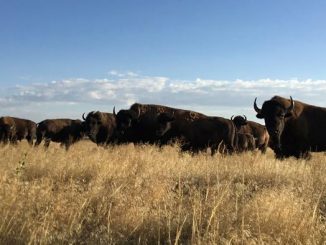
292	128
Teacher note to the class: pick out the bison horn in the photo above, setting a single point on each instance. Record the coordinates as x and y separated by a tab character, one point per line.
291	106
256	107
245	118
84	116
232	117
114	114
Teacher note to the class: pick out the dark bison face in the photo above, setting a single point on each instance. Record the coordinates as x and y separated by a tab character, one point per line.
7	132
125	119
239	121
92	124
164	123
274	114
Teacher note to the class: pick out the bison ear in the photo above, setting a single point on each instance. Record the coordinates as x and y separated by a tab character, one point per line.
289	114
260	116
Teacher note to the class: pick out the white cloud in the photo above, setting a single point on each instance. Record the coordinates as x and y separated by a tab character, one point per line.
218	97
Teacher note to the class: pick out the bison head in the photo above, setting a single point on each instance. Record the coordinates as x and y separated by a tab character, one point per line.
7	132
239	121
274	113
125	119
164	123
92	124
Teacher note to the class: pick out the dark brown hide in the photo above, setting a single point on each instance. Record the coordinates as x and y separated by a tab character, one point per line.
295	127
100	127
64	131
14	129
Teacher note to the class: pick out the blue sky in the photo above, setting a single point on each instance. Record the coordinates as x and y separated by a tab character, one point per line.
182	41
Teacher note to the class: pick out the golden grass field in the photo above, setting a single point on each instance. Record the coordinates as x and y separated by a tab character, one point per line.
146	195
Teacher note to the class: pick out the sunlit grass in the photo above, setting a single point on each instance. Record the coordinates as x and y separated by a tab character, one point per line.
147	195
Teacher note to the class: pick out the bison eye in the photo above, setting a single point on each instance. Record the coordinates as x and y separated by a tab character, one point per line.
281	115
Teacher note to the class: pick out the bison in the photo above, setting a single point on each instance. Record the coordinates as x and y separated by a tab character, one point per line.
258	131
64	131
296	128
200	134
14	129
100	127
140	123
245	142
7	129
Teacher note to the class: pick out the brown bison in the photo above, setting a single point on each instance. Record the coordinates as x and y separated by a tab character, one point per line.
140	122
245	142
296	128
100	127
64	131
258	131
14	129
200	134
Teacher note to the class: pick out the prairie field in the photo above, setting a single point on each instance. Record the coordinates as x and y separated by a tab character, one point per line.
148	195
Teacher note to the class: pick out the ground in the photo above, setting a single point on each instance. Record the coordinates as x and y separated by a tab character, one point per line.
147	195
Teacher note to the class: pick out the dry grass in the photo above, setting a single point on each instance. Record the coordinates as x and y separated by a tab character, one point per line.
147	195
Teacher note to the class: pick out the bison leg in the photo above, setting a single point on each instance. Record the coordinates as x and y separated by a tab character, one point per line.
221	148
39	138
263	148
214	149
37	142
307	155
4	138
14	141
68	142
303	154
186	147
47	143
29	140
225	148
66	145
281	155
195	150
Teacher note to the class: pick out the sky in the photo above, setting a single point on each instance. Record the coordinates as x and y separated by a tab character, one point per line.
62	58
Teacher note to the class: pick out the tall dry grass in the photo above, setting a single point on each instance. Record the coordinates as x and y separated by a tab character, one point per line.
146	195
